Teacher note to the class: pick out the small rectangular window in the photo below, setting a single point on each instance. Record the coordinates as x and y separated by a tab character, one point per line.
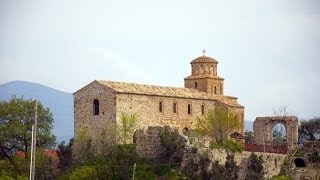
160	107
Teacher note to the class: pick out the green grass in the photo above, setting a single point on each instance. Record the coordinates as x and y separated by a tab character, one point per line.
280	177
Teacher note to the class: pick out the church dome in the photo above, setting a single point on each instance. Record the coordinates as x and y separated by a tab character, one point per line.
204	59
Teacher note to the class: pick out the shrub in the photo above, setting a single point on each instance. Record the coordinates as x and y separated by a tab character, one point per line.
280	177
232	146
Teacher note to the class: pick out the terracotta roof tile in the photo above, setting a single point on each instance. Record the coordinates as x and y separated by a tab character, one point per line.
204	59
132	88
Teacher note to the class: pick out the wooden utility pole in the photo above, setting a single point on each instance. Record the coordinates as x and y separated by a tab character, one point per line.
33	142
134	171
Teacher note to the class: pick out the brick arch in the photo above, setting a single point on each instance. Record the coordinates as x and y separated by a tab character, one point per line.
263	126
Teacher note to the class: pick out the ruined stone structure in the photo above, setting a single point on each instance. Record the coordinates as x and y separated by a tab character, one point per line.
262	128
99	104
148	146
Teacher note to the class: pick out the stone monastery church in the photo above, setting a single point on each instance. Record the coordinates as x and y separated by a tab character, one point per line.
99	104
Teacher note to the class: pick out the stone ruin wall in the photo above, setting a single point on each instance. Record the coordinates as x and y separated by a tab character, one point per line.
262	128
148	143
272	162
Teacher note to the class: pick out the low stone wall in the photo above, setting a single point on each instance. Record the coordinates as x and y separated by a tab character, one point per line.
272	162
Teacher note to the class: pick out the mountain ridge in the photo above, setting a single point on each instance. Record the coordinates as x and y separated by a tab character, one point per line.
60	103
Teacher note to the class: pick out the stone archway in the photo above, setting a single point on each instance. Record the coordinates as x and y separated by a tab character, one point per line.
262	128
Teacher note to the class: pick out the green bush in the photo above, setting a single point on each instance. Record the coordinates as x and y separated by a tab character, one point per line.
314	157
232	146
82	172
214	145
280	177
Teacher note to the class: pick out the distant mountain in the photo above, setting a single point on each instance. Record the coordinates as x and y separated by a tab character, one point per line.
248	125
59	102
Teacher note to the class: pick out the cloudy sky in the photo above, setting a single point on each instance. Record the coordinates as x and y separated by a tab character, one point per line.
268	50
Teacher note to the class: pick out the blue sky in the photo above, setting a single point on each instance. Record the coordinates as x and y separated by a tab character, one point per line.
268	51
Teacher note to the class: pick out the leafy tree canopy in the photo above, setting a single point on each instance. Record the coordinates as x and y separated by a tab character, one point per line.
218	124
249	137
16	119
127	127
310	130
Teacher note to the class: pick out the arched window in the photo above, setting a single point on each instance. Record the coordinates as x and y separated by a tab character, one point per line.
196	84
95	107
174	107
160	106
215	89
189	108
202	109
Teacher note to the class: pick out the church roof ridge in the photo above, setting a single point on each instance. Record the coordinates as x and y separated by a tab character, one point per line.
156	90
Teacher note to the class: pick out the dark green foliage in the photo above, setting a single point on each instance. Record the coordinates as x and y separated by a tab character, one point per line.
197	166
117	165
231	168
82	149
248	137
192	166
217	171
204	167
309	130
64	153
314	157
172	144
45	166
16	119
255	168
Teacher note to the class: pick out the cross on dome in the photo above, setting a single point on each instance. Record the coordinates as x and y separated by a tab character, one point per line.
204	51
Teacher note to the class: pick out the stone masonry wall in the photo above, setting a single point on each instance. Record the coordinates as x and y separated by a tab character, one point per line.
83	109
148	143
149	115
272	162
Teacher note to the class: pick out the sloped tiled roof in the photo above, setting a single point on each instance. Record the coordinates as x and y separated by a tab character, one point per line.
132	88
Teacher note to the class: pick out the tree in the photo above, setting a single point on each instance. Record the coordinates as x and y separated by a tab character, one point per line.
314	157
82	147
16	118
64	153
127	127
255	167
197	166
231	168
172	145
278	137
310	130
217	171
283	111
249	137
217	124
